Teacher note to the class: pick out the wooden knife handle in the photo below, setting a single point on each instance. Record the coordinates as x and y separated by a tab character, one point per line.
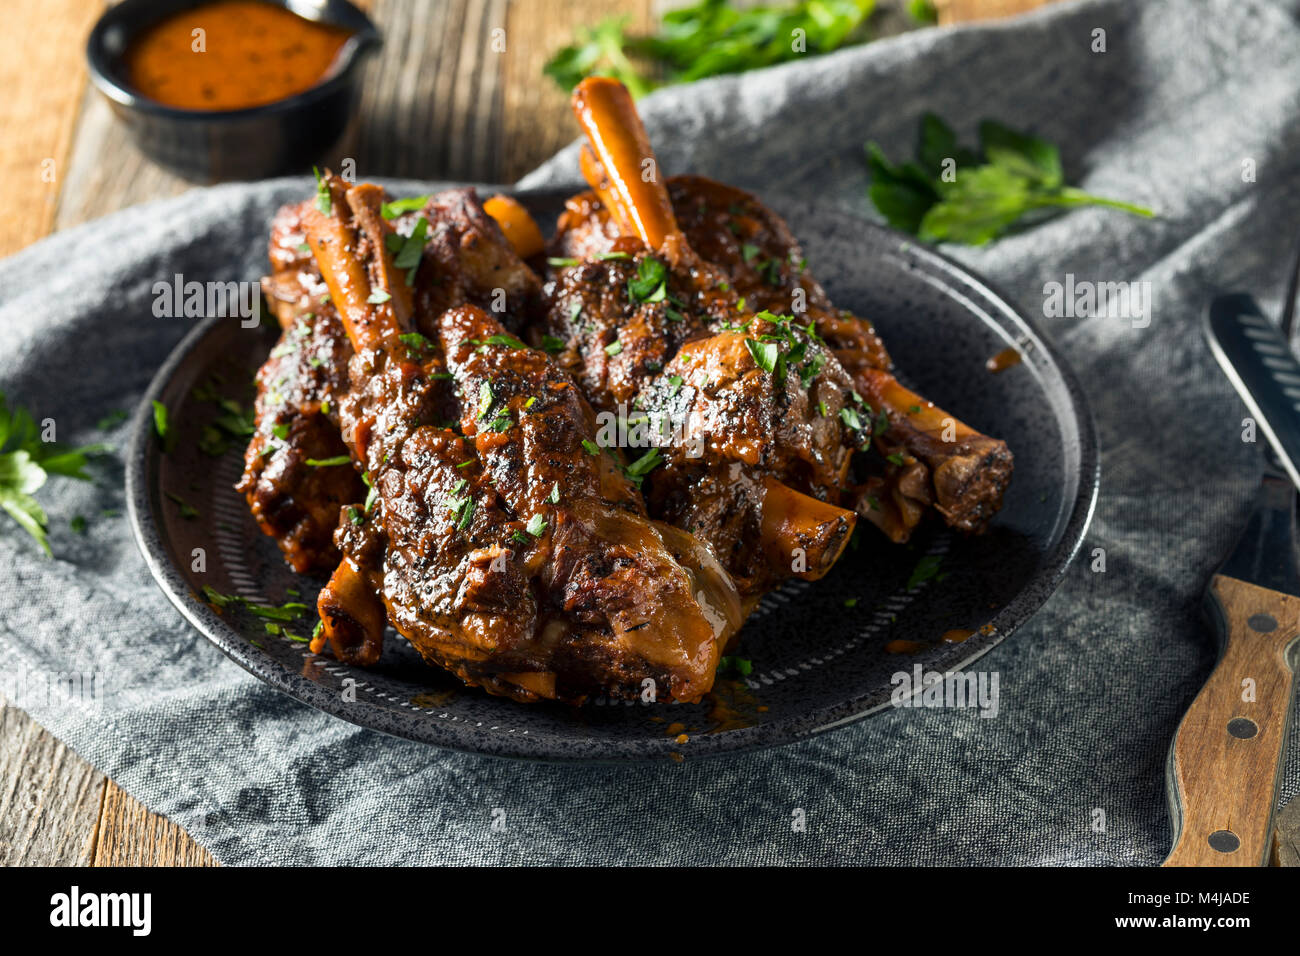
1226	761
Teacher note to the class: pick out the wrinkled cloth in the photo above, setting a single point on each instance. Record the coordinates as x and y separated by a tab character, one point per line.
1188	99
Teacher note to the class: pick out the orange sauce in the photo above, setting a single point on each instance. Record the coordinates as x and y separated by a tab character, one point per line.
248	54
1004	360
955	636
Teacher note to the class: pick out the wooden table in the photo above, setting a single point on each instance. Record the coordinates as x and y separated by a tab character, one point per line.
438	104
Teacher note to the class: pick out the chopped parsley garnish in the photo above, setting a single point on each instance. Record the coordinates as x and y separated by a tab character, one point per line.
188	511
591	446
111	420
676	382
613	348
649	283
289	611
372	495
643	466
554	496
378	297
894	459
391	210
740	665
161	426
407	257
552	344
78	524
329	462
462	510
415	344
509	341
323	201
280	431
536	526
563	263
355	516
925	570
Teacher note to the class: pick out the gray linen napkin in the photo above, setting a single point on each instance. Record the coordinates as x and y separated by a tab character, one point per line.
1092	688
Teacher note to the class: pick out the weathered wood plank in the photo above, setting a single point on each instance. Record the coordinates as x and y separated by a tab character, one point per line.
42	81
130	835
536	120
49	797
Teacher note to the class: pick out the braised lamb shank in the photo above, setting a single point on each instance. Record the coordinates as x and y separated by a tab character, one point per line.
495	541
596	514
925	457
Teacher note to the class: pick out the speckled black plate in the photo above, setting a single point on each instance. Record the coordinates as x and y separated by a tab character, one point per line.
818	650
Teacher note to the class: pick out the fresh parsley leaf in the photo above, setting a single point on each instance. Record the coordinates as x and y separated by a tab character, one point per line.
708	38
1013	176
26	462
765	354
408	256
329	462
536	525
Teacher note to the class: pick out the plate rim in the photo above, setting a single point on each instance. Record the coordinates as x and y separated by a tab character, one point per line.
1041	585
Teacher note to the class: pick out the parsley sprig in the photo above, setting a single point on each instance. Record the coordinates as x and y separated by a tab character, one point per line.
708	38
953	194
26	462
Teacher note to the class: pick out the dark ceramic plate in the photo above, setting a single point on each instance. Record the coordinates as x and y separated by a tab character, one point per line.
819	651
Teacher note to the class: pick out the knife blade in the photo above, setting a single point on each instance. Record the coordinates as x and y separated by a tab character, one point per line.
1260	366
1225	764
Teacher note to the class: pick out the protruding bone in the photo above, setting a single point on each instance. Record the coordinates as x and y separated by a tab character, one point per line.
630	178
801	532
350	248
352	617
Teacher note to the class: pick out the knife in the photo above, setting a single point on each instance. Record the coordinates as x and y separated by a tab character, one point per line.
1225	765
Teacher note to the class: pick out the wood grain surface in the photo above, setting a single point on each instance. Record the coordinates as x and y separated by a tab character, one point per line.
440	101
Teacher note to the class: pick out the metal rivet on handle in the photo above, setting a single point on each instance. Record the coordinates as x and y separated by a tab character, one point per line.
1225	841
1262	622
1243	728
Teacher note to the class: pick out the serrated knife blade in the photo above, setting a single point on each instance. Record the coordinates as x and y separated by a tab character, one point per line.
1262	369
